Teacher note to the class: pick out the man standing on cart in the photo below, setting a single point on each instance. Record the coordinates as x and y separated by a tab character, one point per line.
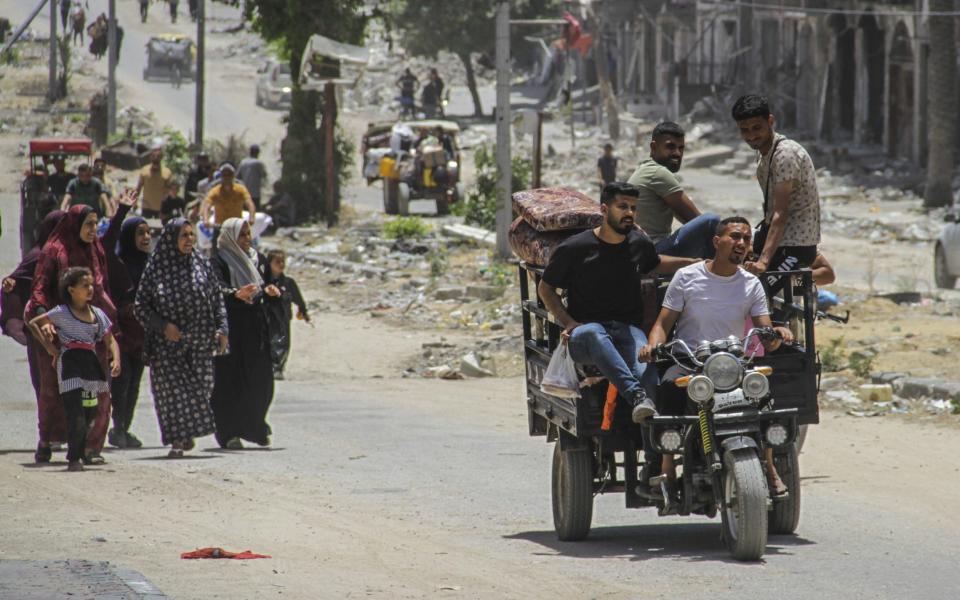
787	238
601	270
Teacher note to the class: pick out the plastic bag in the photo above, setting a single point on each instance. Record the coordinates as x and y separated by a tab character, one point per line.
560	378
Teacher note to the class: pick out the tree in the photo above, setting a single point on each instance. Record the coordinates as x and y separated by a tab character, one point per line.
462	27
288	24
942	116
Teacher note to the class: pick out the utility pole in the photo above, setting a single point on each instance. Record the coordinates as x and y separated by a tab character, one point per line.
198	105
52	83
112	58
504	165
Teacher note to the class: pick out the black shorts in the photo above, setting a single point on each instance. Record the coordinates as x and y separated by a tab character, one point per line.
787	258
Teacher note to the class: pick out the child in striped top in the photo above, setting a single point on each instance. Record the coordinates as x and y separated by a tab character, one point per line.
78	327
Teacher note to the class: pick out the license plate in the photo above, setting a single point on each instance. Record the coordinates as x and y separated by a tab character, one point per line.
734	398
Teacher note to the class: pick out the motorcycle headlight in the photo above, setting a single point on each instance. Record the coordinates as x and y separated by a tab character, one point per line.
452	164
724	370
670	440
700	389
776	434
755	385
286	89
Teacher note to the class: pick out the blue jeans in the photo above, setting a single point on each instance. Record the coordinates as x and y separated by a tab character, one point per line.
693	240
612	347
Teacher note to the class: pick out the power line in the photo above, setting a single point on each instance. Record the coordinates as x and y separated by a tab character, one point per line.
829	11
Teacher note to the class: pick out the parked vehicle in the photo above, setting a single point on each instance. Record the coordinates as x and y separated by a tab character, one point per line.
275	86
746	403
36	200
946	252
412	164
171	56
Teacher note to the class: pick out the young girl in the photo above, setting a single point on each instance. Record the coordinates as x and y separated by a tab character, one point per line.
78	326
280	311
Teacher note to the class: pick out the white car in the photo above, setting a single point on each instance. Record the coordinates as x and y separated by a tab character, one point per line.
275	85
946	253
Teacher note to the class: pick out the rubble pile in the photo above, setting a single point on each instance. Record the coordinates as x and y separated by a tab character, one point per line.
436	282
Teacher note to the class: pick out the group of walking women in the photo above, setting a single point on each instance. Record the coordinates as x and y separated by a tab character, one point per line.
200	325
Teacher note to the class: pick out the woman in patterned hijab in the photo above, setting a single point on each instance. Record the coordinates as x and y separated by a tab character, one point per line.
182	311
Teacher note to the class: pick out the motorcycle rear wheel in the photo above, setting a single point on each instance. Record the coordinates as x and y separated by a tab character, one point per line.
572	493
744	510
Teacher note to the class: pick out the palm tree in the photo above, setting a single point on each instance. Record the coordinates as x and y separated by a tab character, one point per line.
942	112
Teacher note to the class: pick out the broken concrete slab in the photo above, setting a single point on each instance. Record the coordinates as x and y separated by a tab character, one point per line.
708	157
927	387
475	234
484	292
449	293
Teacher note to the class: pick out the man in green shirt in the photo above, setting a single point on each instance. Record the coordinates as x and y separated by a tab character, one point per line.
87	189
662	198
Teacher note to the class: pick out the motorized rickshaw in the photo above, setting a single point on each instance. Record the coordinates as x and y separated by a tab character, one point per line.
170	56
36	199
600	450
410	170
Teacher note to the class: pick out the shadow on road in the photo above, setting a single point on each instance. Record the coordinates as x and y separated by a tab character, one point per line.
17	451
244	449
692	542
184	457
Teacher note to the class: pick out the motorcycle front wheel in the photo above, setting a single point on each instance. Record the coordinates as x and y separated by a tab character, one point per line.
744	508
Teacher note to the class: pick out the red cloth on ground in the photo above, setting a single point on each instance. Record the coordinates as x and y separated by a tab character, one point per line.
221	553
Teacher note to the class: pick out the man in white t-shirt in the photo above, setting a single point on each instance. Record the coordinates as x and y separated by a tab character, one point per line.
711	300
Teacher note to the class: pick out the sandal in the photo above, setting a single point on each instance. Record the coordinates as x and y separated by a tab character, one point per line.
778	489
175	453
94	459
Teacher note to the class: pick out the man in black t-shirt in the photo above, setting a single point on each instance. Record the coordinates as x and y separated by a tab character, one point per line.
601	271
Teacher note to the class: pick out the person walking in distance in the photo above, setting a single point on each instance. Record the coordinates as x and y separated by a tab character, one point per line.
144	8
153	183
253	173
243	388
788	236
182	312
408	84
79	326
607	166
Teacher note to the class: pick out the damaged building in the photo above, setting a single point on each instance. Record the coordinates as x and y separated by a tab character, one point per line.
835	71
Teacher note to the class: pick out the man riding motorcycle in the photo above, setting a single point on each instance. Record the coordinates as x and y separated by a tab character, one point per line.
601	271
708	301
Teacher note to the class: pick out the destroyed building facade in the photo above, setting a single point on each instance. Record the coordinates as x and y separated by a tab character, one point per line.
834	70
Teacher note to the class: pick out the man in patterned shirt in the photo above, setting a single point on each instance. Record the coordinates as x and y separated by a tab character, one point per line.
787	238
